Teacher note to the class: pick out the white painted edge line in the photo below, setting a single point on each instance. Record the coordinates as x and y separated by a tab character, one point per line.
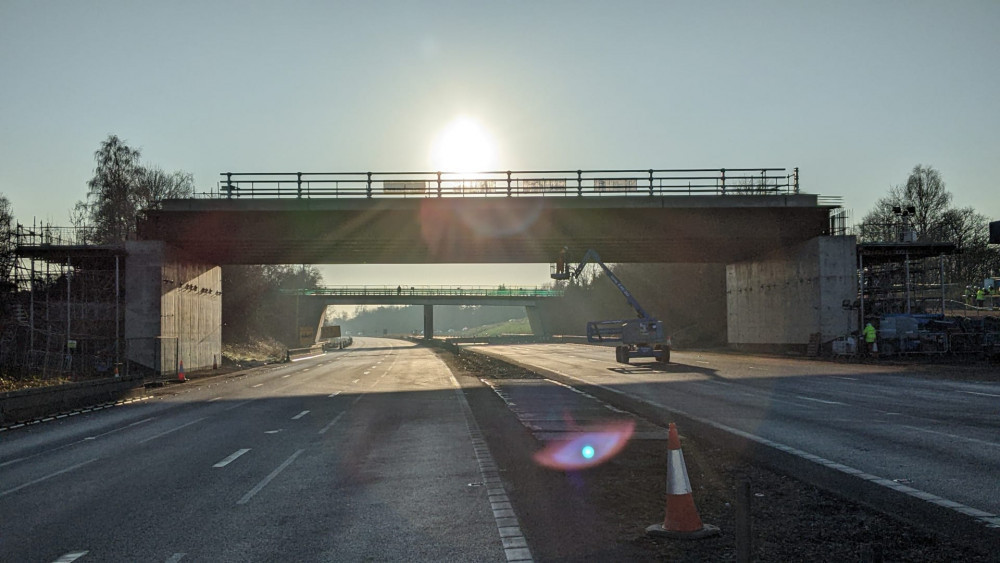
70	557
237	405
215	399
300	415
307	357
332	422
515	546
176	557
257	488
803	397
161	434
232	457
955	436
983	394
334	394
989	519
845	377
49	476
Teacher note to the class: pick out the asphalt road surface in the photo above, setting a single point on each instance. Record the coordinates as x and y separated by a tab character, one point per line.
369	453
931	435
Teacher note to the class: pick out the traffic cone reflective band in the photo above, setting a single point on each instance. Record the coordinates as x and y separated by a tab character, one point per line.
180	372
682	521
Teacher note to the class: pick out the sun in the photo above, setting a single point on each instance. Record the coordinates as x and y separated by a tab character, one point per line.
464	146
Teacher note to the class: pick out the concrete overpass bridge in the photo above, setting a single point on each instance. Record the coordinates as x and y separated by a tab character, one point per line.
770	241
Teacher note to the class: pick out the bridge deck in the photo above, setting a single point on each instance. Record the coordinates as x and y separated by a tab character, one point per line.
691	229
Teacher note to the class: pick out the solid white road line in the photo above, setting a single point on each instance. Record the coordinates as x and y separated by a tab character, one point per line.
49	476
803	397
955	436
300	415
213	400
88	438
232	457
334	394
70	557
983	394
334	421
171	430
246	498
237	405
843	377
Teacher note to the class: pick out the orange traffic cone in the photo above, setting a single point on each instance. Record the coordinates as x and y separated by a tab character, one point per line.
180	373
682	521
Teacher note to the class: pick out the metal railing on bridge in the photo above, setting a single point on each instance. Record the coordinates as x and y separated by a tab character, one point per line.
426	291
509	183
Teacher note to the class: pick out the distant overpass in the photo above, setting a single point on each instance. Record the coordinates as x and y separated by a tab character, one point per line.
427	295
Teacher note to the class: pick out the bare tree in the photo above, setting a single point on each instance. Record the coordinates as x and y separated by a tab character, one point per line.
934	220
7	243
121	189
925	192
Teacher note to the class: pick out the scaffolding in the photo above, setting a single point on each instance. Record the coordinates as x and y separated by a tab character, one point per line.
902	278
65	308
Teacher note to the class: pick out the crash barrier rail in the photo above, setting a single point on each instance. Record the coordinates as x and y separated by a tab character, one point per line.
27	404
508	183
337	343
427	291
294	353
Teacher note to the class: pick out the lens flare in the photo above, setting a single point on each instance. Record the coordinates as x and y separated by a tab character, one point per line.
592	446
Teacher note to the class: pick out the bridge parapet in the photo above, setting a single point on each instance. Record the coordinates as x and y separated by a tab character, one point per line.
509	183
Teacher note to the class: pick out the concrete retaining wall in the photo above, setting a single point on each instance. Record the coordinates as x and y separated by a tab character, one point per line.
779	300
29	404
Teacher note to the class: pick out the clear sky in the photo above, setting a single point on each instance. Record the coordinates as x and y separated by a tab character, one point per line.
853	93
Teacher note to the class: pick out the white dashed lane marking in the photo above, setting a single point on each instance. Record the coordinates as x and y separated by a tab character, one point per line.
257	488
232	457
70	557
300	415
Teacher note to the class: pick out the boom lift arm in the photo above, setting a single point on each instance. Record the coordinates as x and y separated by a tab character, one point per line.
563	272
642	337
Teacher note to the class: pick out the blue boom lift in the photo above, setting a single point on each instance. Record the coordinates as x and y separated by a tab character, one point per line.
640	338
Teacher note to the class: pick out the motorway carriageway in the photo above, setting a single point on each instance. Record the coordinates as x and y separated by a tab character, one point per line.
935	439
369	453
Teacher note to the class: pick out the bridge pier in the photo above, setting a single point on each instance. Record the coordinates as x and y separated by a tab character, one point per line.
536	322
428	321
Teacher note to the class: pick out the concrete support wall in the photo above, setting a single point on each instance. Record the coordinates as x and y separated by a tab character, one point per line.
173	309
778	301
537	322
428	321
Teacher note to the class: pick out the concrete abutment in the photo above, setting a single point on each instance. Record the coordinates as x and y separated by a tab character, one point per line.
776	302
173	309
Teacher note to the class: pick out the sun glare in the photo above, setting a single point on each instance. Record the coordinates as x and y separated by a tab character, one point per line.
464	146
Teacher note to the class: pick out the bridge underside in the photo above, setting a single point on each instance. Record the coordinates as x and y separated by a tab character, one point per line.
693	229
